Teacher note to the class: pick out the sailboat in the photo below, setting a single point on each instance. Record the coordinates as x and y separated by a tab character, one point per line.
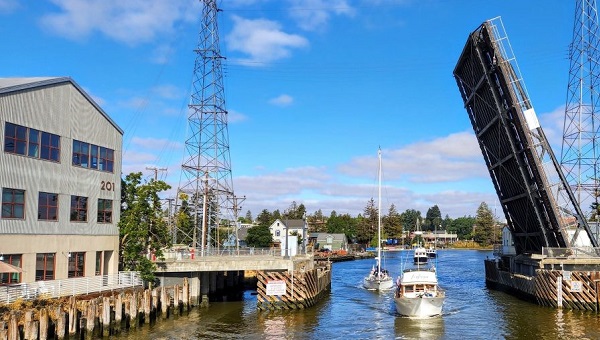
378	278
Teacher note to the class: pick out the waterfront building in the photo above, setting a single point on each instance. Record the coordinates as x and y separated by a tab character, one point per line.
60	177
332	242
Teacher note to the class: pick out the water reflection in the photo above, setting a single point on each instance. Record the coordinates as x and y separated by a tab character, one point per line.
429	328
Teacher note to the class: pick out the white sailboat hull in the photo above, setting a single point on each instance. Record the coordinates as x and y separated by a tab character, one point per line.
420	307
378	284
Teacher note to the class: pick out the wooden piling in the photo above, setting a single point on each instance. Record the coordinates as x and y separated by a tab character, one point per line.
164	302
176	299
186	294
155	301
118	313
60	323
44	324
133	310
90	316
147	305
72	316
13	327
106	316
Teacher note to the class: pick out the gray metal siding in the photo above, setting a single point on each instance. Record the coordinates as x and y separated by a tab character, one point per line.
62	110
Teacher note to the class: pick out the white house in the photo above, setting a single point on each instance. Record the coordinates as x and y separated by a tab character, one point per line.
60	177
294	227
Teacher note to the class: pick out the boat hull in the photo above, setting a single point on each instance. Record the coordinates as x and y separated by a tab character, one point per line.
378	284
420	259
419	307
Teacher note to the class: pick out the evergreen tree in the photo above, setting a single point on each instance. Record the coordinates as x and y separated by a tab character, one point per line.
264	218
484	222
184	221
392	223
462	227
433	218
368	225
248	218
142	228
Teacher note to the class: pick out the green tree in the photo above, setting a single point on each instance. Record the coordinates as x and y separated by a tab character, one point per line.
264	218
433	218
409	219
342	224
462	227
259	236
484	225
142	227
392	223
367	228
184	221
248	218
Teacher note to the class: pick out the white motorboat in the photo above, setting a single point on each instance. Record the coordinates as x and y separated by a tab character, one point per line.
420	255
431	252
418	294
378	278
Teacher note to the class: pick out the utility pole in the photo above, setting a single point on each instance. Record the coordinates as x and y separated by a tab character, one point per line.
236	209
156	170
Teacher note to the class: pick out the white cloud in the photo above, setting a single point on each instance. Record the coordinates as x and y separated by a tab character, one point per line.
168	92
162	54
314	14
451	158
263	41
155	143
7	6
234	116
130	22
282	100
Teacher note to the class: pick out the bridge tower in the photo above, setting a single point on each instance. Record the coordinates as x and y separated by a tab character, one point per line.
207	179
580	152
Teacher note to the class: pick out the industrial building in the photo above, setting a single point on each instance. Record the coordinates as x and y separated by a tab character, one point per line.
60	174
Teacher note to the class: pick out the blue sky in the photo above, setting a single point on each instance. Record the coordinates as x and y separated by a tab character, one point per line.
313	88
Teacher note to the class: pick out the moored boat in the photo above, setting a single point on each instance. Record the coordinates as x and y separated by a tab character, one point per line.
420	255
431	252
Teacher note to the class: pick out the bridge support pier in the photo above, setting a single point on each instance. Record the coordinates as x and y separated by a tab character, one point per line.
194	283
204	288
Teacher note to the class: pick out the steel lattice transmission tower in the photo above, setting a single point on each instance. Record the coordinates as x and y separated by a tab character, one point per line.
580	154
207	167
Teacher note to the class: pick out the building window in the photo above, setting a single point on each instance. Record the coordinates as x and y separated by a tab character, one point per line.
50	147
44	266
93	156
31	142
79	208
13	203
15	260
48	206
107	159
104	211
98	263
15	138
76	264
81	153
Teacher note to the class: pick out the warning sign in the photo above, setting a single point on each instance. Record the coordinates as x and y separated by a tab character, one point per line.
276	287
576	286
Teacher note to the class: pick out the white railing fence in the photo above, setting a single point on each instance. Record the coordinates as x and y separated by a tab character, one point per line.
69	287
573	252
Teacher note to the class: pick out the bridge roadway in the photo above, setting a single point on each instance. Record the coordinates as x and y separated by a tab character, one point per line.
185	261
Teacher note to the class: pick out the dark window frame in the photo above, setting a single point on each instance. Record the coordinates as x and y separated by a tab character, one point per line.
45	206
79	207
76	265
18	141
15	260
105	209
8	207
45	273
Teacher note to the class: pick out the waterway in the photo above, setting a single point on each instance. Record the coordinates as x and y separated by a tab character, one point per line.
471	311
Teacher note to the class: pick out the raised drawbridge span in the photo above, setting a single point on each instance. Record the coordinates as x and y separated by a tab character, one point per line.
539	206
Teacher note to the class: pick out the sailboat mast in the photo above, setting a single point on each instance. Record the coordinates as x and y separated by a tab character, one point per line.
379	216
